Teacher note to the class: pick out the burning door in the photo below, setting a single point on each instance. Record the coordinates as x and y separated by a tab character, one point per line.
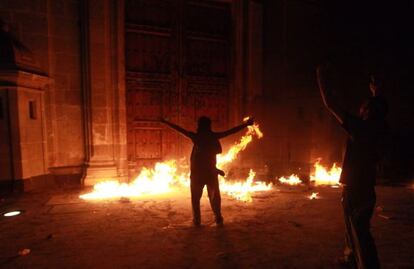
177	66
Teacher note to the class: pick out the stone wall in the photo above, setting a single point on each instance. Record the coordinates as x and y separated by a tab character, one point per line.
50	28
65	103
297	127
5	160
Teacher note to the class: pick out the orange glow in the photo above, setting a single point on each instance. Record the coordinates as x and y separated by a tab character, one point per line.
161	179
231	154
243	190
165	178
321	175
292	180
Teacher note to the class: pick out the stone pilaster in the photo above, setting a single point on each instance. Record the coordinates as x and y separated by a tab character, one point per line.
239	66
104	104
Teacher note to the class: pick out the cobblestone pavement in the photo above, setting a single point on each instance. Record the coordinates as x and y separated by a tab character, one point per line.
279	229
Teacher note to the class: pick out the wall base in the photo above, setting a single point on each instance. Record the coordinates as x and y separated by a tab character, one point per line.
96	174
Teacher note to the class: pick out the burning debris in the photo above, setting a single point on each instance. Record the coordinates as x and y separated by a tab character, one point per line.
321	176
165	177
314	196
292	180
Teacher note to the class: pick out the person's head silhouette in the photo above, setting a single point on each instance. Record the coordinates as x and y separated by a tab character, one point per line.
204	124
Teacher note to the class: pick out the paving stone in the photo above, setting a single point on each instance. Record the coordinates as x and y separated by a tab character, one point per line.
280	230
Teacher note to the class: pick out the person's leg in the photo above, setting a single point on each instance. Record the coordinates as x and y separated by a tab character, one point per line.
213	190
196	193
361	218
348	257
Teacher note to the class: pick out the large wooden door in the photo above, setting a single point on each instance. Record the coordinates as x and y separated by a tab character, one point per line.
178	56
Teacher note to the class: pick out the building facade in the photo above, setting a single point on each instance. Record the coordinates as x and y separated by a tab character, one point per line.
85	83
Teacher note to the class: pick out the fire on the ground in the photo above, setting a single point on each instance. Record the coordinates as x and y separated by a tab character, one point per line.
167	176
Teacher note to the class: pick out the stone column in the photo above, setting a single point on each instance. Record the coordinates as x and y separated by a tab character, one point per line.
254	56
120	120
104	104
248	59
239	66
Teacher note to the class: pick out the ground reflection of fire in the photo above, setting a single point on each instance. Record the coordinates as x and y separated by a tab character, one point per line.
164	178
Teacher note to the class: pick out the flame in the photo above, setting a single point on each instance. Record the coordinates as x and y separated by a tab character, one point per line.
292	180
158	180
321	176
164	178
243	190
253	130
314	195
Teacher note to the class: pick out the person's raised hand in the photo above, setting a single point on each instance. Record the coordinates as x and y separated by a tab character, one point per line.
221	172
250	122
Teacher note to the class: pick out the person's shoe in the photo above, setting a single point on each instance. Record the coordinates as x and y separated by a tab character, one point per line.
219	221
342	262
196	222
345	262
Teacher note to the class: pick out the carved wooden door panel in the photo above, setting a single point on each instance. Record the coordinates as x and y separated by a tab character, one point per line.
177	66
206	63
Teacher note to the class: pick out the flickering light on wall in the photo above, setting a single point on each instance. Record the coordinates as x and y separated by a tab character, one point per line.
12	213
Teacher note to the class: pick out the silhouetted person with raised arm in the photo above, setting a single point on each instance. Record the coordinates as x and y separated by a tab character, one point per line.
203	164
363	152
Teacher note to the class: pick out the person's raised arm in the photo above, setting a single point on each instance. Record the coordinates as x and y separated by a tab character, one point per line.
178	128
327	95
236	129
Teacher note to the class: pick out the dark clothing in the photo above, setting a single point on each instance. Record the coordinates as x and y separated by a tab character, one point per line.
203	156
204	172
213	191
358	206
363	151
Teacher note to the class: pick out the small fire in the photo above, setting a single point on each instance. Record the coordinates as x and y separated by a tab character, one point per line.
314	195
164	178
158	180
321	176
243	190
292	180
